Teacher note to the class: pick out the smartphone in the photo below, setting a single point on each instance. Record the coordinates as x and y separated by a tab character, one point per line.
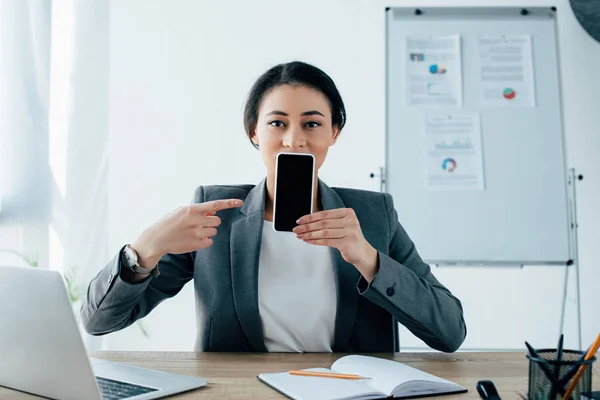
294	189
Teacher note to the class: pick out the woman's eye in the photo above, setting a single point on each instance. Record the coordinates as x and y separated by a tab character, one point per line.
313	124
277	123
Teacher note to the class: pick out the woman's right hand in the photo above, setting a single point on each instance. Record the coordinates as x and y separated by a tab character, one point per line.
184	230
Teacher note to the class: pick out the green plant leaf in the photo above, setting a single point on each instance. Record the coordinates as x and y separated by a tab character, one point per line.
31	260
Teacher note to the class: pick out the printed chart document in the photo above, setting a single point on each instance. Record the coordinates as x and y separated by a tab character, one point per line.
433	71
453	152
506	71
386	378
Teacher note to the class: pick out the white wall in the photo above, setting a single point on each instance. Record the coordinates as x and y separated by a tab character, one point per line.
179	73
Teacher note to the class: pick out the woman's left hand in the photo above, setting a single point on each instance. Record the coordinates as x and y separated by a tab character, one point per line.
340	229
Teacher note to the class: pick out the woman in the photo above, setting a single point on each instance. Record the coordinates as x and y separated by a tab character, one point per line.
339	284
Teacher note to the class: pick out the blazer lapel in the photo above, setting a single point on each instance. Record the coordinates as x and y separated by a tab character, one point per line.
346	278
246	235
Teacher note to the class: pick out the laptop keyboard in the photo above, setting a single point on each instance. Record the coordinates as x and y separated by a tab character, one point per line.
115	390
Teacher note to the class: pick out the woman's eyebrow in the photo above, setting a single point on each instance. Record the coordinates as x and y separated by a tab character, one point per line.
276	112
312	112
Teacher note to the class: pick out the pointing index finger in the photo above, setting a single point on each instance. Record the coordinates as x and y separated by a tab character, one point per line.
216	205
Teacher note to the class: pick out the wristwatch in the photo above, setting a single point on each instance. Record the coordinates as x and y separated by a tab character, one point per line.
129	259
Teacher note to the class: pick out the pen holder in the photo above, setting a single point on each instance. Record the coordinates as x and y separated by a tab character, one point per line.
540	384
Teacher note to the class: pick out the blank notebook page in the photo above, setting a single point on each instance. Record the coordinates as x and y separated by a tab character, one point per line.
388	374
317	388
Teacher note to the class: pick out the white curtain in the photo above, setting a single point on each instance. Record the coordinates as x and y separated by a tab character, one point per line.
79	115
53	161
24	94
79	133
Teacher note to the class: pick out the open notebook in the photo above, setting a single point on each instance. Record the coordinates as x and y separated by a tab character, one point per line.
387	378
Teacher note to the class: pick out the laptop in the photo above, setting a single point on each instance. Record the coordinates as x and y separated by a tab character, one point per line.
42	352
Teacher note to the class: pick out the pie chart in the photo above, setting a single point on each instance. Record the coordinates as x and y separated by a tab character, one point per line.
437	69
509	94
449	164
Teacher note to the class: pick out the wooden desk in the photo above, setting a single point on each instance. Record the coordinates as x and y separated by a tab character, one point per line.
233	375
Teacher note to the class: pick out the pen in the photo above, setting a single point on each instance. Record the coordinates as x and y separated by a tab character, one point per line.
588	356
327	375
559	349
543	364
567	377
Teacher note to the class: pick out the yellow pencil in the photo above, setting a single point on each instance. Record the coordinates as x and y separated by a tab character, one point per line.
327	375
587	357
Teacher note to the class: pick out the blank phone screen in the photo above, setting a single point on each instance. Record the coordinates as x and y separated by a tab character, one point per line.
293	191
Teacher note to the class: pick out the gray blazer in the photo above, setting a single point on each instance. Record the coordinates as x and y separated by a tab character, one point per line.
226	282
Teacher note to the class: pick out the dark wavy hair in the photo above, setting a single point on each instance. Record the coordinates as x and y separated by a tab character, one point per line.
293	73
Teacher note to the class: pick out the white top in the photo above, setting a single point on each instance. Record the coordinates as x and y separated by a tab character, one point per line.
297	297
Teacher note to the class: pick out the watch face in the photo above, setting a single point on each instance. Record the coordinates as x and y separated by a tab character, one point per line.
129	258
